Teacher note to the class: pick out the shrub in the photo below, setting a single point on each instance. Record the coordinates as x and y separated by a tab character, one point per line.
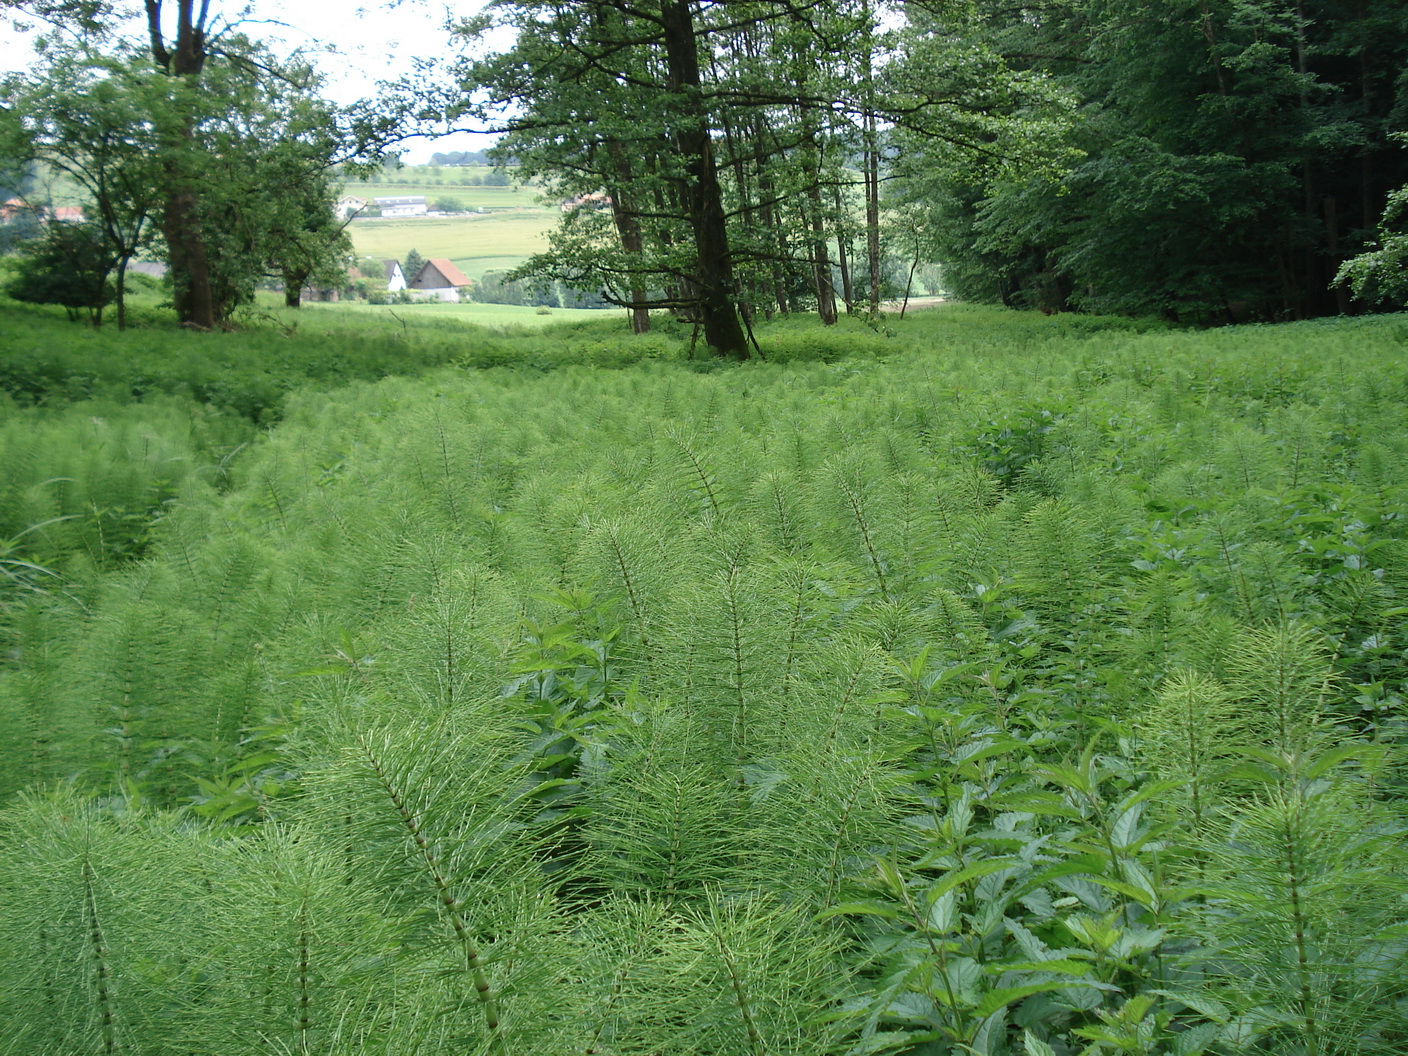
69	266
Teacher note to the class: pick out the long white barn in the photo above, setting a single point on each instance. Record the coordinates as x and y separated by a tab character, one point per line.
411	205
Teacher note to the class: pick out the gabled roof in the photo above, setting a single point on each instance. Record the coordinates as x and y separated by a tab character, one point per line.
437	273
390	267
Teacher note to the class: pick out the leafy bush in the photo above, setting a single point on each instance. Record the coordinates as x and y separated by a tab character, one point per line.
70	265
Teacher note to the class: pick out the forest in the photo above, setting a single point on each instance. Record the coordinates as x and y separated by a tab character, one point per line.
1204	161
754	669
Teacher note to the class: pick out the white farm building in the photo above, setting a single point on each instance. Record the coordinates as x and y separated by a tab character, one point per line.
410	205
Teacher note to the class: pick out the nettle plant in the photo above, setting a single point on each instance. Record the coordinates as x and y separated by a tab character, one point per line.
747	712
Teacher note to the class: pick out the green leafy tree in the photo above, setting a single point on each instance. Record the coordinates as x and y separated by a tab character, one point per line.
229	150
1380	275
71	265
724	192
1235	152
86	115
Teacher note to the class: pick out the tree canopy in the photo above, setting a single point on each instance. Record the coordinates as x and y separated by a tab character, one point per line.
200	144
708	154
1233	154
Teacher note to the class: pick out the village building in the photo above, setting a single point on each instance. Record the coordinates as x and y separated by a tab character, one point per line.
395	278
16	209
409	205
438	280
347	207
594	200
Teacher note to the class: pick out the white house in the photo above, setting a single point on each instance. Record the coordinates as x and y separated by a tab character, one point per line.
347	207
395	278
410	205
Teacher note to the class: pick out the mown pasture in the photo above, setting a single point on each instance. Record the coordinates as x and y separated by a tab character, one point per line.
476	243
976	682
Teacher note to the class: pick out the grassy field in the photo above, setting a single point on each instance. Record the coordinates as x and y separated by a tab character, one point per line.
486	315
475	243
977	682
513	225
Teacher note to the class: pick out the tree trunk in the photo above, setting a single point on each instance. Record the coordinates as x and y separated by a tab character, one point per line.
629	231
294	281
122	262
843	255
190	267
870	134
703	197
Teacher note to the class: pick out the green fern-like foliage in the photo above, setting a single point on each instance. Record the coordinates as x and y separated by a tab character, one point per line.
1282	677
753	711
1307	921
1193	733
100	925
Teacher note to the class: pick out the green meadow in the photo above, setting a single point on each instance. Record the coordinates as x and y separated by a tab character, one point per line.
485	315
976	682
510	224
476	244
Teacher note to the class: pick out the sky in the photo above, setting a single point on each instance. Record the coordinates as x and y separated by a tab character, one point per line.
355	46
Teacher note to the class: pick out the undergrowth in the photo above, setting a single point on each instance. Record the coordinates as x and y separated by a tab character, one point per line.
1002	686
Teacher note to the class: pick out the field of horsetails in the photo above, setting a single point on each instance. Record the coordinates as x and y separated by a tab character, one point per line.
967	682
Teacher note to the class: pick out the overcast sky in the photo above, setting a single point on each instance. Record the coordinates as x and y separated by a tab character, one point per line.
355	46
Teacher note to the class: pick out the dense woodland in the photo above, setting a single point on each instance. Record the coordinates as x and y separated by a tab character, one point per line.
1208	162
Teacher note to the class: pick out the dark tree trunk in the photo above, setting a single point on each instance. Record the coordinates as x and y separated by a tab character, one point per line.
703	196
294	281
843	256
190	266
629	231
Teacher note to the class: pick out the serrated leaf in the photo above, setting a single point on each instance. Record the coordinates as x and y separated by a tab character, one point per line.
1126	826
1195	1040
1032	946
1204	1005
972	872
941	912
1004	996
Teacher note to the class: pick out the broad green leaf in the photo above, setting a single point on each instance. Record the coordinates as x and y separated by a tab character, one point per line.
1001	998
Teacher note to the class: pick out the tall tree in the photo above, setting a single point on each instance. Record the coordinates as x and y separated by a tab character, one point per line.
230	149
721	133
1235	152
612	96
181	55
87	116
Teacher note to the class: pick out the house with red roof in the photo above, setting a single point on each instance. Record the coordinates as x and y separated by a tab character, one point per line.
438	280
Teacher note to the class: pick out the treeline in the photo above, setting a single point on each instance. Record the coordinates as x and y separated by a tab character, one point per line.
1202	160
1211	161
461	157
743	177
192	143
1232	156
